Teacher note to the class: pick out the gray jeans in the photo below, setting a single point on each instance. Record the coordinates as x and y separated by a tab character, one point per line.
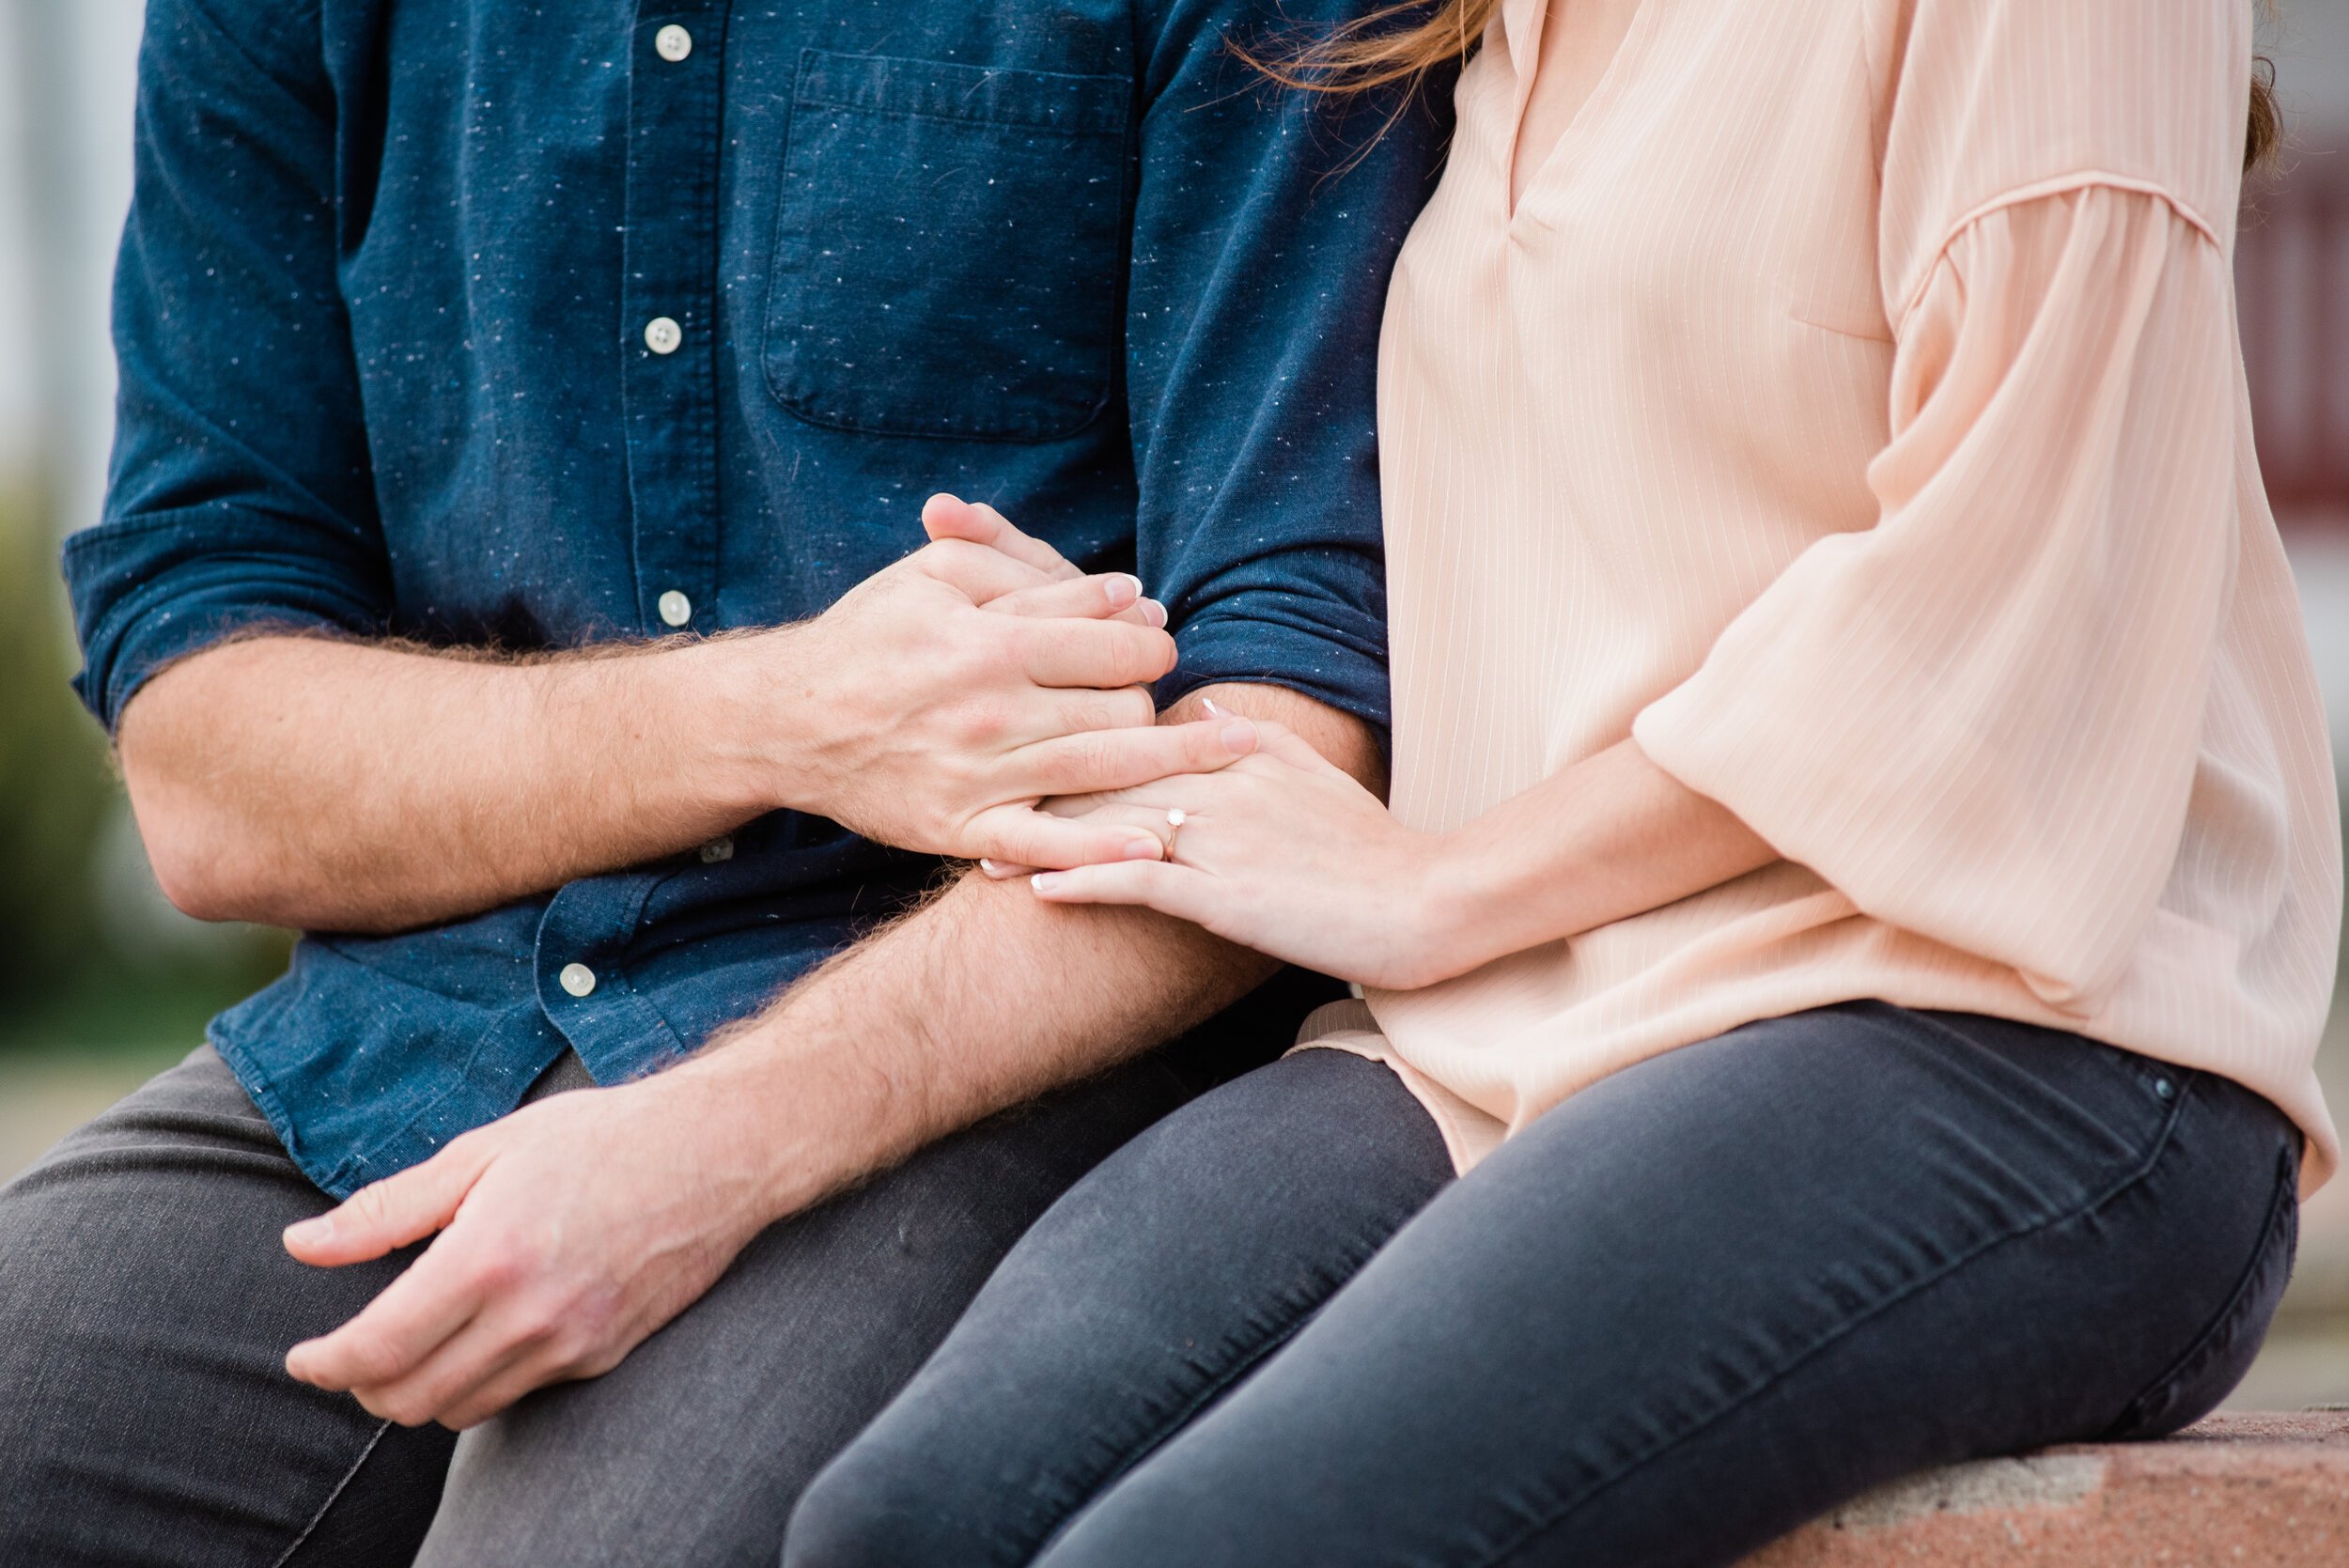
1703	1299
147	1305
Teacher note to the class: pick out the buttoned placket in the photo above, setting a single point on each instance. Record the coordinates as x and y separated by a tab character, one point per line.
583	988
669	399
669	308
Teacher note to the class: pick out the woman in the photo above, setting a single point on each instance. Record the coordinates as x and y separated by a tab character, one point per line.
1863	881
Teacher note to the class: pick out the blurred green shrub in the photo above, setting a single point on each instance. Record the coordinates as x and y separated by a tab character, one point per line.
56	782
90	954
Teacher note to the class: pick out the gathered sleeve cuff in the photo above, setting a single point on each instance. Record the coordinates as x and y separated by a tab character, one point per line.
1979	720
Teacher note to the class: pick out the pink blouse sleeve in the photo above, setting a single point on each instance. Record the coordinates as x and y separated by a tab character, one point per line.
1979	720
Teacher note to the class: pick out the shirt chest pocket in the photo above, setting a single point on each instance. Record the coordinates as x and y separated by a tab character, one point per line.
949	246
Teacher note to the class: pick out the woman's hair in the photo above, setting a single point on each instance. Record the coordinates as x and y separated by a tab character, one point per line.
1404	41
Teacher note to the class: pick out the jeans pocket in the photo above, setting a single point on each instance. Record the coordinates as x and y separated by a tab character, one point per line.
2210	1367
949	248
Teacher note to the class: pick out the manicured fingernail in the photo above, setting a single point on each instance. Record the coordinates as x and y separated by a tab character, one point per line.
1154	612
311	1230
1143	849
1045	882
1239	738
1213	711
1122	588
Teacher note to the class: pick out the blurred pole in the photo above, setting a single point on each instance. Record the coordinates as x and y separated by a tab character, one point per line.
68	69
34	91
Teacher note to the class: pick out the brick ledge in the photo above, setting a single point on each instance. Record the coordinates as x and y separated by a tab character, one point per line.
2235	1491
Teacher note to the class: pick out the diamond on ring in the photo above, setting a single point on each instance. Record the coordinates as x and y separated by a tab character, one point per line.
1175	817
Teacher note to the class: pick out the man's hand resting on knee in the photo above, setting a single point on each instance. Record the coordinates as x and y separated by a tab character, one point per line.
567	1231
333	786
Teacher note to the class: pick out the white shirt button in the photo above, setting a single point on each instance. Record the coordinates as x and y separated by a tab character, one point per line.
673	42
676	609
663	335
717	849
578	979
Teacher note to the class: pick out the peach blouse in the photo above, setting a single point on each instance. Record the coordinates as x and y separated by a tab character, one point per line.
1852	412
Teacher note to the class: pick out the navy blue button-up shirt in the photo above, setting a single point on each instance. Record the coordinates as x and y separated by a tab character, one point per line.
496	322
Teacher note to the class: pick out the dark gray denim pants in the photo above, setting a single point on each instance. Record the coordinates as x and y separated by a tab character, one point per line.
146	1305
1695	1305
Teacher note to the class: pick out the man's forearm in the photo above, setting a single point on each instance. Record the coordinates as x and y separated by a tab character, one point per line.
376	789
346	787
578	1225
984	998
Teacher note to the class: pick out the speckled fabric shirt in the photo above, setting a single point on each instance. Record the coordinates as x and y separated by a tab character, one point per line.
488	322
1851	413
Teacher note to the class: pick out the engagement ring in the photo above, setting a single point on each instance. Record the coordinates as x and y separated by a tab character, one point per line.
1174	820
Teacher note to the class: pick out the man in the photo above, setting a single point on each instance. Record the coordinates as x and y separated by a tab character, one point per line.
508	576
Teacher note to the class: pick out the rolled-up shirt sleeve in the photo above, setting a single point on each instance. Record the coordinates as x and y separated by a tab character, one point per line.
1980	719
1266	226
241	496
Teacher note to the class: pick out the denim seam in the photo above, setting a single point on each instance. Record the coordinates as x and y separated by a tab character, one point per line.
1169	1428
257	1088
348	1476
107	530
1039	431
816	101
2279	1205
2123	1184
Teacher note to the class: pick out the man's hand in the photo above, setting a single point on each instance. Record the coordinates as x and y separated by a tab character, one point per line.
542	1273
946	696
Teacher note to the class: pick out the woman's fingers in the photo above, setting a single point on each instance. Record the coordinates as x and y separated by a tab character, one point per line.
1121	813
1104	816
1025	547
1107	760
950	516
1104	655
979	574
1276	739
1112	593
1162	885
1021	836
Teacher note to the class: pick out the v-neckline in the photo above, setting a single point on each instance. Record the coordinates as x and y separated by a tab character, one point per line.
1525	60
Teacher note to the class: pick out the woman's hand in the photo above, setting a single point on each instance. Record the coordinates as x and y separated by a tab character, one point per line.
937	703
938	700
1284	853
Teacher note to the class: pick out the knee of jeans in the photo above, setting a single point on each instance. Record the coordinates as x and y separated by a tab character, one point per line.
869	1510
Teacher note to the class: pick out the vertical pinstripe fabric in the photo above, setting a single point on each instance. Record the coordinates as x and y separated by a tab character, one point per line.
1851	412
